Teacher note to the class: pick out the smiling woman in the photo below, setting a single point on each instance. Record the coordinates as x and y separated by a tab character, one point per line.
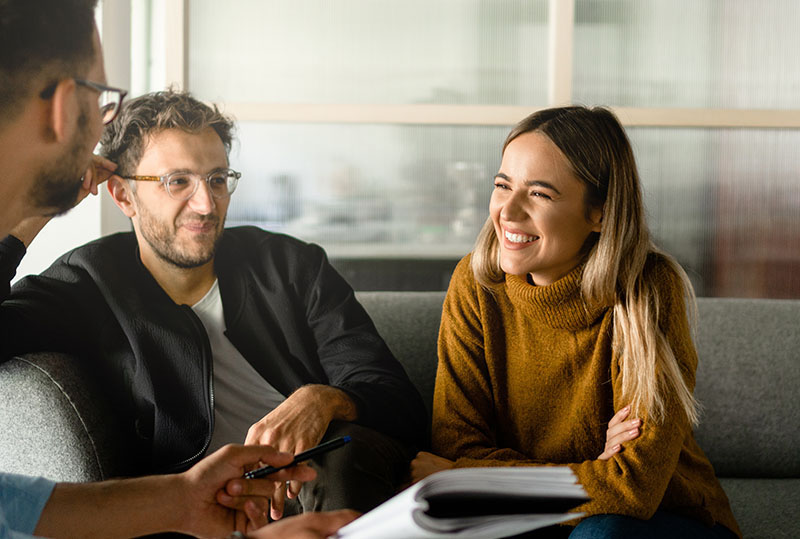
564	319
539	211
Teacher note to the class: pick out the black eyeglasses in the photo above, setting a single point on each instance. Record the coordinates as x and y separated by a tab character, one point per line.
109	101
183	185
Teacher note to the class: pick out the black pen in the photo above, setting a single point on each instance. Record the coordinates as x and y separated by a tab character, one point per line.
300	457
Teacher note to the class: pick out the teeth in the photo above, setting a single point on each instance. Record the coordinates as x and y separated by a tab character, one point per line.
519	238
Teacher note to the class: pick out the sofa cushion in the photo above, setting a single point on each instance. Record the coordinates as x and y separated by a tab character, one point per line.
747	382
764	508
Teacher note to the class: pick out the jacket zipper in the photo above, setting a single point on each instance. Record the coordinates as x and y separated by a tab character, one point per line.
198	325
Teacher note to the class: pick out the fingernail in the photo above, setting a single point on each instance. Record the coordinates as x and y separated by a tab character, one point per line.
225	497
236	488
616	448
636	422
634	431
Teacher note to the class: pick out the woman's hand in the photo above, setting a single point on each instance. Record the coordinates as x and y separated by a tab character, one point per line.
620	431
425	464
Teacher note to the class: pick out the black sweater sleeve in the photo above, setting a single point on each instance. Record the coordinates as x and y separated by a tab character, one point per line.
357	360
12	251
40	312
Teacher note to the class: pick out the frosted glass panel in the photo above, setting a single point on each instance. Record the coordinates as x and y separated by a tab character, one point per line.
688	53
368	190
369	51
726	203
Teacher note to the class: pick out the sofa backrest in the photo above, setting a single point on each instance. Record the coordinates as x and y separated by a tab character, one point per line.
747	381
409	323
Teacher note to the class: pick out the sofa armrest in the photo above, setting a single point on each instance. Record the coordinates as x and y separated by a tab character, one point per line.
55	421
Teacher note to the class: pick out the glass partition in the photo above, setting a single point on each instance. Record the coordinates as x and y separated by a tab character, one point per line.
369	51
685	53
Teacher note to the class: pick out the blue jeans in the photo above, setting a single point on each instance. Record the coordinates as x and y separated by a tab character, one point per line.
661	525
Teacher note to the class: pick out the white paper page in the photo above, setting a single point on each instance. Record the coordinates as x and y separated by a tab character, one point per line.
403	516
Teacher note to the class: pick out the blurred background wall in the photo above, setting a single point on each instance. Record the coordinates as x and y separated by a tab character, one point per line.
374	127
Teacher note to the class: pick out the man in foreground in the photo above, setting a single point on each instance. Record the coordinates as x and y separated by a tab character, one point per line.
53	103
210	336
189	503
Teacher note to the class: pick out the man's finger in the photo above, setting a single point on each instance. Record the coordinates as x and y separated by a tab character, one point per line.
101	161
294	489
240	522
265	486
278	497
256	511
241	456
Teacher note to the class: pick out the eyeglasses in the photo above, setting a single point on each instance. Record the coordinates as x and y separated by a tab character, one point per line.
109	101
183	185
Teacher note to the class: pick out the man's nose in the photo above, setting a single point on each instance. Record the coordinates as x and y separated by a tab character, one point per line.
201	201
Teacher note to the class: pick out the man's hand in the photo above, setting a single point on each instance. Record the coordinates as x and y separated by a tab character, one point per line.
620	431
100	170
218	500
425	464
306	526
29	228
298	424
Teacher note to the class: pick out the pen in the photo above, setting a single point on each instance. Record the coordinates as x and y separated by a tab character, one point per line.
300	457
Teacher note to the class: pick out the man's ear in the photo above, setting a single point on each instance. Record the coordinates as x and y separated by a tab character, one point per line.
64	111
122	194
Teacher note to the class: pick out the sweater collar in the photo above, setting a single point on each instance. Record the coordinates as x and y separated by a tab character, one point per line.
557	305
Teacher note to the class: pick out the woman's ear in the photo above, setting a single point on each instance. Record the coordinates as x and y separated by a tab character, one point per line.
122	194
596	218
64	111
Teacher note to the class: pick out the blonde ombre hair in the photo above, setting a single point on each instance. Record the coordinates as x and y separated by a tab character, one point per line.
598	150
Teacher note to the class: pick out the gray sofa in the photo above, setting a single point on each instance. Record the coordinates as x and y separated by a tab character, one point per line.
748	379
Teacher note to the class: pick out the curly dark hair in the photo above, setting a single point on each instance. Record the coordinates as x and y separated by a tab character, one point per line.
42	42
123	140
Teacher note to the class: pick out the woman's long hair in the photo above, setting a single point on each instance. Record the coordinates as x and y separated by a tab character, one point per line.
600	154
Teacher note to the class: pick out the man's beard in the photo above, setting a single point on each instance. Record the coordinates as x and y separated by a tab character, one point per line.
162	239
56	187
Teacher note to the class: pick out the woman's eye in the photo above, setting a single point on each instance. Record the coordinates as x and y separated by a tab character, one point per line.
500	186
540	195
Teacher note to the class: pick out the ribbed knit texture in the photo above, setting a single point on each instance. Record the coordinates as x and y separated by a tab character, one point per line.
527	376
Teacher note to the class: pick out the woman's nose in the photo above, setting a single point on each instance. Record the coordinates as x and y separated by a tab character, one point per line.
513	209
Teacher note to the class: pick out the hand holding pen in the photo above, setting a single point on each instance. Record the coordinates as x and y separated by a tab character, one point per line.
300	457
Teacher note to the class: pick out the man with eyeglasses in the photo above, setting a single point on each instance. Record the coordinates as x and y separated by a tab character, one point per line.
53	104
213	336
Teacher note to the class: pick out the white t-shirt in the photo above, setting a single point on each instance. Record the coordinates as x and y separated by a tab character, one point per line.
241	395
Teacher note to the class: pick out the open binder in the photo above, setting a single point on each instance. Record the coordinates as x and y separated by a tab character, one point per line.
480	503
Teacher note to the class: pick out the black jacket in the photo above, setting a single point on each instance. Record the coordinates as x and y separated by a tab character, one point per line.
288	312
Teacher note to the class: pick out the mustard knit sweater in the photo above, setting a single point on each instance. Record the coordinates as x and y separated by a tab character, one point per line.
527	376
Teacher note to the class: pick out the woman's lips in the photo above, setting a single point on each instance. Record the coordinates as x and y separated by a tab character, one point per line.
516	239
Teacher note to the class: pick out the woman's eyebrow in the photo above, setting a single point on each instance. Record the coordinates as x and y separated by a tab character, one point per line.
531	183
542	183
